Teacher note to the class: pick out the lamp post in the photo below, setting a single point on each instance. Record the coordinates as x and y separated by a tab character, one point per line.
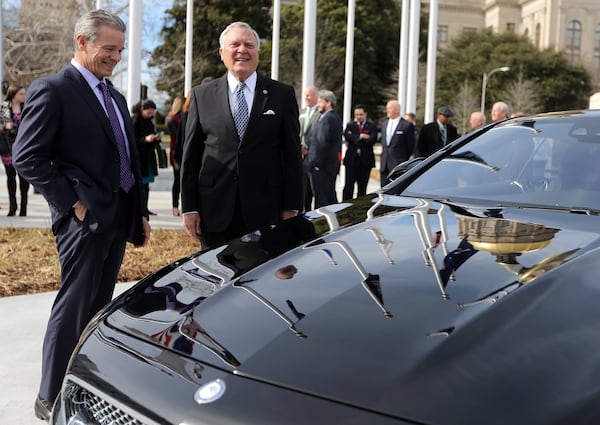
486	76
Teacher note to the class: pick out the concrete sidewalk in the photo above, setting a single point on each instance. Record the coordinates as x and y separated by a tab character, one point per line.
23	318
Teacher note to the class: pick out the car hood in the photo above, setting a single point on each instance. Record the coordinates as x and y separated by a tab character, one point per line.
408	307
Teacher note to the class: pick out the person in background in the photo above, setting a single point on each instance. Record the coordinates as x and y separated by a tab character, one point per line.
411	117
145	142
437	134
241	168
173	124
76	145
397	140
308	117
499	111
324	152
360	136
10	118
476	120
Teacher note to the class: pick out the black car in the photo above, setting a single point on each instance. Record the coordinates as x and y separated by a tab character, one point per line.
464	292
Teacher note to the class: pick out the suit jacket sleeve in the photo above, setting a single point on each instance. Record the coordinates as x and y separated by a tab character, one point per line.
192	152
33	152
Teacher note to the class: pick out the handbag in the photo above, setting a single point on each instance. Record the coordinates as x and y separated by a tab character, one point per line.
5	144
161	155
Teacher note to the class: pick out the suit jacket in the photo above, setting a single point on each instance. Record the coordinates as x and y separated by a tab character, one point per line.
401	145
66	148
430	138
306	129
359	151
326	143
265	168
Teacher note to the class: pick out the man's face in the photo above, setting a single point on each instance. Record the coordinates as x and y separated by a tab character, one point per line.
310	97
498	113
240	52
475	121
360	115
102	55
322	105
392	110
444	119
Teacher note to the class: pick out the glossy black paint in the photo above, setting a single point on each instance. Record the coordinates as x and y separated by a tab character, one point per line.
386	309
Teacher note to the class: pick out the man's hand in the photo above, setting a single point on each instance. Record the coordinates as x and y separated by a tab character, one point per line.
79	210
191	224
285	214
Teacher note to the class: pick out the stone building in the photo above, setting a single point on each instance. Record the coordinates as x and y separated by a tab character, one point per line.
572	26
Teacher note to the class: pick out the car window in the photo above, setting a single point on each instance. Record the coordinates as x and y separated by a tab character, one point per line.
544	162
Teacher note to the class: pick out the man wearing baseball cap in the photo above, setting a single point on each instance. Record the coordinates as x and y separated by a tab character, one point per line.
437	133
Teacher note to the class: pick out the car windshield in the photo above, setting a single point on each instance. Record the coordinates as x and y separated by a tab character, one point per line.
549	162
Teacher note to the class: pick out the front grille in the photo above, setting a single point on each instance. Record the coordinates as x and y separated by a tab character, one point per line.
89	405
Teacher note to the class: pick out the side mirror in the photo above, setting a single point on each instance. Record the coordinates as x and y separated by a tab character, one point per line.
402	168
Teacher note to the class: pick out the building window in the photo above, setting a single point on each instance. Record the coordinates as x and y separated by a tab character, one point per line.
442	34
510	27
573	45
538	35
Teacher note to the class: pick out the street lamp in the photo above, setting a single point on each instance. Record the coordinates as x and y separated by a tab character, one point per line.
485	80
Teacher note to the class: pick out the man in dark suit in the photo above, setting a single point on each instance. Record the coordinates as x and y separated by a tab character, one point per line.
360	135
397	140
437	134
79	152
241	167
308	117
324	152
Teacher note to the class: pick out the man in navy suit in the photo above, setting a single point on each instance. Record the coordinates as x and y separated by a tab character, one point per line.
360	135
397	140
239	175
325	148
69	148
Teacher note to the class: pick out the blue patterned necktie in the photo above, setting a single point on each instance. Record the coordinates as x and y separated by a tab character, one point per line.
126	177
240	110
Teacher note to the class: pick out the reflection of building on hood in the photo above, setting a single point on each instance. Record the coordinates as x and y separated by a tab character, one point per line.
249	251
501	237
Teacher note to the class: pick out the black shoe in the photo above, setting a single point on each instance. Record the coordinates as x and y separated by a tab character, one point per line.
42	408
11	213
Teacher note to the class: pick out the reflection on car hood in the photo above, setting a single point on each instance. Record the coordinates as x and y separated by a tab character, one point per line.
423	304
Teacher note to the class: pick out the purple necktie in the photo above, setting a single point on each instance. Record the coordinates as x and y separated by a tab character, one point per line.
126	177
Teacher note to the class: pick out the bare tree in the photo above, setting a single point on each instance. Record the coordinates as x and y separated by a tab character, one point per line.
39	38
522	96
466	102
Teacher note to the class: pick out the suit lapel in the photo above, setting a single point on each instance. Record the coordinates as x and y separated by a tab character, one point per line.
261	95
90	98
221	95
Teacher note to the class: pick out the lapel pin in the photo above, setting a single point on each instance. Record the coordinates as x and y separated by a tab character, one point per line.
265	91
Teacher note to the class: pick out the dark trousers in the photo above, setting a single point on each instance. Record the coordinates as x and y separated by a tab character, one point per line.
307	192
11	185
323	186
176	188
359	175
90	259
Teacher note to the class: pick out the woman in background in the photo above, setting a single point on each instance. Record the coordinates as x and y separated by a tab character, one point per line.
174	125
145	137
10	118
